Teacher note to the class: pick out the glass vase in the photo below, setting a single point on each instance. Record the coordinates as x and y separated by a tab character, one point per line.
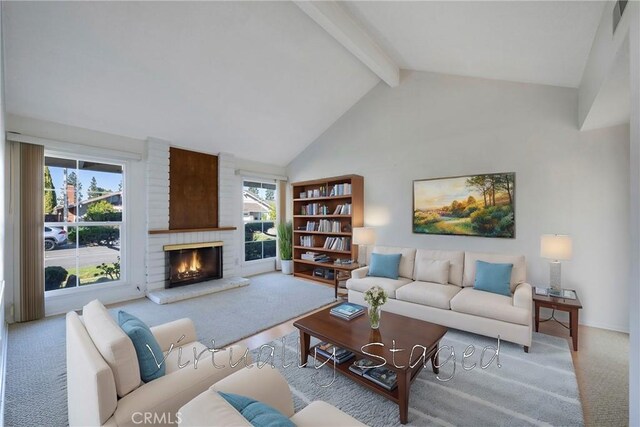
374	316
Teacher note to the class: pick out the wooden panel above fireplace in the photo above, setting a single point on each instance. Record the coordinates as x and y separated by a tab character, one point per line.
193	190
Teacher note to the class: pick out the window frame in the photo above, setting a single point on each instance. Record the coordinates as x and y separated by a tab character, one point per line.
124	243
260	180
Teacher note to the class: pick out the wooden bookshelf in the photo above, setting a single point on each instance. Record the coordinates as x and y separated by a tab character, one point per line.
313	201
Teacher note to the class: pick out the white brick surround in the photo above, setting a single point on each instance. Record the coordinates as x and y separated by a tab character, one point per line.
229	214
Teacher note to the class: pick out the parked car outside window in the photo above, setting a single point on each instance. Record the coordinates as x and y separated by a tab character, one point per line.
54	237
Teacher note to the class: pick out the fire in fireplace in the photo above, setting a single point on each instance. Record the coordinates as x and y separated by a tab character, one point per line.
193	263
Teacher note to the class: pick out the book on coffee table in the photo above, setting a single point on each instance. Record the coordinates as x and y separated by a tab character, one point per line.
383	377
362	365
348	310
327	350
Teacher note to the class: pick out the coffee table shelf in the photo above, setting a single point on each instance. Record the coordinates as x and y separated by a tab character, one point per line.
344	370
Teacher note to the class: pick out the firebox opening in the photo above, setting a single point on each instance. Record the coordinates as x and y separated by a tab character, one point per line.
193	265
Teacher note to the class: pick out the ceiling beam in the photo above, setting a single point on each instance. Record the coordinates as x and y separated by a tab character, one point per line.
338	23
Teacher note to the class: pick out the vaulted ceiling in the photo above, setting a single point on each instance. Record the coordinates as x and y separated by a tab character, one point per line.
262	80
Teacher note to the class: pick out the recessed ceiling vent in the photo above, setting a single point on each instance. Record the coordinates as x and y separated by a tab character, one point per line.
618	10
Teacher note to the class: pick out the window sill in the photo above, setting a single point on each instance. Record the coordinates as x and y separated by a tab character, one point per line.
86	288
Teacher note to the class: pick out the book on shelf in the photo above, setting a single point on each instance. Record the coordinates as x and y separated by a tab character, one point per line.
326	226
315	256
307	241
344	209
314	209
334	353
338	243
340	190
348	310
386	378
361	365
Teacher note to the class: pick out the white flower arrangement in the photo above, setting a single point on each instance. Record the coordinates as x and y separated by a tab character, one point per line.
375	296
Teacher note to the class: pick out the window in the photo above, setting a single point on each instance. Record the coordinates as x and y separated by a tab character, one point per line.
83	215
259	216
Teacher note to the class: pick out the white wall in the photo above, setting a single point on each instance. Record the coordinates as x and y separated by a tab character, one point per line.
607	51
634	196
436	125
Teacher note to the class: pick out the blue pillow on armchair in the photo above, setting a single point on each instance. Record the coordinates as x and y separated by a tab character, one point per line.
147	348
257	413
495	278
384	265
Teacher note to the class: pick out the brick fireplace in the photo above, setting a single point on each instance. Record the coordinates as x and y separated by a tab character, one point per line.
193	262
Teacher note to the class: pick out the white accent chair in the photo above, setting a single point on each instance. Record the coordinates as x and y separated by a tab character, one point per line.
103	376
265	385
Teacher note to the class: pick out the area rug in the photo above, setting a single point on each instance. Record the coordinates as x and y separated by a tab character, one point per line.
35	393
538	388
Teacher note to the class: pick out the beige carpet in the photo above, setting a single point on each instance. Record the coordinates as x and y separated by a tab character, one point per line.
602	369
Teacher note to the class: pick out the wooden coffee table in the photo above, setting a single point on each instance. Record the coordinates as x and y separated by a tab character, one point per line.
356	333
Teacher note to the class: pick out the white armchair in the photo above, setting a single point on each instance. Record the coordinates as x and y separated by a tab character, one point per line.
265	385
103	377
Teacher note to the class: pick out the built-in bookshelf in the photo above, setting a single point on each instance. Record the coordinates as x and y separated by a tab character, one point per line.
325	211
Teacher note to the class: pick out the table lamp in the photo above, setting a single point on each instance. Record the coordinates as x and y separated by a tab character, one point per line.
364	236
555	247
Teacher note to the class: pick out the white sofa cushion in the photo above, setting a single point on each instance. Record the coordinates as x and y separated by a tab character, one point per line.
209	408
432	270
489	305
321	414
169	393
389	285
455	258
428	293
518	273
114	345
407	259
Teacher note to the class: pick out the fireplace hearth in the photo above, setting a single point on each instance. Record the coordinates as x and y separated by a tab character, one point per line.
193	263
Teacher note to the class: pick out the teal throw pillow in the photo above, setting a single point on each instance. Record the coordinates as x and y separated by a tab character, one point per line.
257	413
142	337
494	278
384	265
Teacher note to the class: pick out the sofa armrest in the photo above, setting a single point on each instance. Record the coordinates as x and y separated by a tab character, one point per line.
170	333
265	384
522	296
360	273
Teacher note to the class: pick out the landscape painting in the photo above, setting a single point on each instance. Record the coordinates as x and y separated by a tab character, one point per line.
474	205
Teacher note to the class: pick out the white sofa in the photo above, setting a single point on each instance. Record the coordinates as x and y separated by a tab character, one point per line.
456	303
265	385
103	376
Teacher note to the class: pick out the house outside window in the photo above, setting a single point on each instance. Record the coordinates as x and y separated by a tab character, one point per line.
84	222
259	218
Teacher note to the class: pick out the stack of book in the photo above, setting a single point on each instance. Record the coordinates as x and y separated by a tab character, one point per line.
315	256
384	377
348	310
333	353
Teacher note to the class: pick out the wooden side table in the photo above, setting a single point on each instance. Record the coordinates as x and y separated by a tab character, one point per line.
572	306
337	269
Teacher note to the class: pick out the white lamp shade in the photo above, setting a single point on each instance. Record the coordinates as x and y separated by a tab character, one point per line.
364	236
556	247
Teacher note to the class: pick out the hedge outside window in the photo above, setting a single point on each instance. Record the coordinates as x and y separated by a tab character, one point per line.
83	215
259	215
